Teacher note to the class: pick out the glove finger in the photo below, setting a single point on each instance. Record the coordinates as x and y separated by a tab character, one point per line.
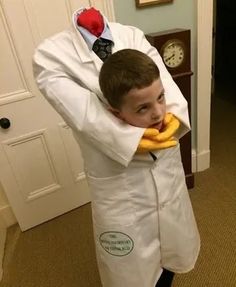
150	132
169	132
168	117
146	145
168	144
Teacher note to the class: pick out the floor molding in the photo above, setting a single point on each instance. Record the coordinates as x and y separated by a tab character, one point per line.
200	161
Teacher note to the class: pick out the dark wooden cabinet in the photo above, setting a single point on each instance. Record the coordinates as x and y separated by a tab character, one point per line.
181	73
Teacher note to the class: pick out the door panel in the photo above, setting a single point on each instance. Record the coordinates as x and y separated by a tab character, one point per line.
32	165
75	157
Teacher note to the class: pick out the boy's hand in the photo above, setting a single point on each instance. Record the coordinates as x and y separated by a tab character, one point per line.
171	125
146	145
153	139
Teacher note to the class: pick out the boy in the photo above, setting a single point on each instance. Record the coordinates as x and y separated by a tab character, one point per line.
164	232
66	69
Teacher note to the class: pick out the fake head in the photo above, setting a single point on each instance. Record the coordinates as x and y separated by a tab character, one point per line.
92	20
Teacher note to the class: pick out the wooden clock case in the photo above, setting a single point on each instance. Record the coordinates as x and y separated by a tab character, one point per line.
182	76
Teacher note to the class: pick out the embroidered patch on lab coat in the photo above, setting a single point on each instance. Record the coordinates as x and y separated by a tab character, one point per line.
116	243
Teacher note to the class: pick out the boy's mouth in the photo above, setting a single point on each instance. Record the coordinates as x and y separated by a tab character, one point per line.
157	125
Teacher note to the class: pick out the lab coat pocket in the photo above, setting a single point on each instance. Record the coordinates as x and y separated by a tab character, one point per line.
169	174
111	202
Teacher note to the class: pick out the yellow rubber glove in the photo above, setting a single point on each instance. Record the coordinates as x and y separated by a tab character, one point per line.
150	133
153	139
171	125
146	145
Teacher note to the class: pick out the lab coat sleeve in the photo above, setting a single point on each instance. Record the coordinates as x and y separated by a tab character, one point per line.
83	111
175	101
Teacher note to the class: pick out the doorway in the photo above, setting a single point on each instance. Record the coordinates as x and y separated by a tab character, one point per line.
223	104
225	50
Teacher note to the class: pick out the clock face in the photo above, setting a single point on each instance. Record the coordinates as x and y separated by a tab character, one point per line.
173	53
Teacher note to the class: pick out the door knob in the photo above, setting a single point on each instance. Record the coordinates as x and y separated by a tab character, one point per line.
5	123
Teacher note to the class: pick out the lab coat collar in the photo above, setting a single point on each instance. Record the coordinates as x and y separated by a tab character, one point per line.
86	55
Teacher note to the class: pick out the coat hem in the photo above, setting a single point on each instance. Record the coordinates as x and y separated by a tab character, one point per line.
187	269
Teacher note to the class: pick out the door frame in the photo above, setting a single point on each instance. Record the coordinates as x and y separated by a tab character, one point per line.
203	101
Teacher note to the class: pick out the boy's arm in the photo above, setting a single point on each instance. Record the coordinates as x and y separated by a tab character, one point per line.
82	110
175	101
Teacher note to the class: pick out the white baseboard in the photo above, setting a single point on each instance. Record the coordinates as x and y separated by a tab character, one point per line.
194	161
7	218
200	161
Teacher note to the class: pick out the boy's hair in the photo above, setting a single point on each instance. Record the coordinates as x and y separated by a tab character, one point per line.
125	70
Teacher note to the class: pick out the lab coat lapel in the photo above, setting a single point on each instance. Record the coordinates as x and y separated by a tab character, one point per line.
86	55
118	44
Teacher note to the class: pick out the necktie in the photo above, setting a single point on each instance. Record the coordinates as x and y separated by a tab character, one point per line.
102	47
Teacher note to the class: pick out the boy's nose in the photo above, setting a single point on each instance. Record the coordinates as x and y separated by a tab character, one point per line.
155	117
156	114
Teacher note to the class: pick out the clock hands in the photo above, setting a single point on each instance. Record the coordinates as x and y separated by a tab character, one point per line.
167	59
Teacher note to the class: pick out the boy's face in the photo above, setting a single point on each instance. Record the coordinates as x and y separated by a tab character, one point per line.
144	107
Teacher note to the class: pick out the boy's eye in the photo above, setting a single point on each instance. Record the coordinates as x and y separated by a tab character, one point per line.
161	97
142	110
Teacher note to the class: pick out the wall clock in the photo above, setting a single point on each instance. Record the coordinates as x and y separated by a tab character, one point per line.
173	53
174	48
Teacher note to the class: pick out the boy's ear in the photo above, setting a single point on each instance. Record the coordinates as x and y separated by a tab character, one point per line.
115	112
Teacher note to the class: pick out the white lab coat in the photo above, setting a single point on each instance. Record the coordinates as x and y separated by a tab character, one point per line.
142	215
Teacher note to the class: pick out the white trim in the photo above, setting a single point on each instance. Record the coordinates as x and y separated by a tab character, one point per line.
106	6
203	160
200	161
194	161
7	218
14	97
204	60
109	6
